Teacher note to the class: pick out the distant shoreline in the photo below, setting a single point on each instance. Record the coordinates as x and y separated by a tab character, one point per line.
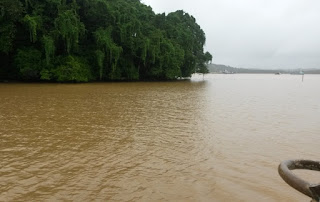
218	68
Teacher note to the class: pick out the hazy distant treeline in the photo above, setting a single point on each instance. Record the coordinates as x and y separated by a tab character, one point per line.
217	68
83	40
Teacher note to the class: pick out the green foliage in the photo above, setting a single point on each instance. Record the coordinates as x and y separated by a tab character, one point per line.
72	69
100	60
113	52
45	75
131	72
183	29
10	14
174	59
70	28
28	60
203	63
207	57
33	23
7	33
56	40
49	48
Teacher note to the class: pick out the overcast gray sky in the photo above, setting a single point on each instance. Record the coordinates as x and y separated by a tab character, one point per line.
255	33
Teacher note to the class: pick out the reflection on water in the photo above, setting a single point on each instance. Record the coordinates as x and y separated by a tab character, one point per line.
217	139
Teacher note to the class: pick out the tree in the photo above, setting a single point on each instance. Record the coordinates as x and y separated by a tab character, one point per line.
83	40
183	29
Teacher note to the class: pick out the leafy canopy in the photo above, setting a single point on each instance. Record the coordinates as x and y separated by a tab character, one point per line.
85	40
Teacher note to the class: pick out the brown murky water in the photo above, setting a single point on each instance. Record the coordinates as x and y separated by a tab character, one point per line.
215	140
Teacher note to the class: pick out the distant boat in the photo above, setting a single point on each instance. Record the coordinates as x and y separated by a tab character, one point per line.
298	73
227	72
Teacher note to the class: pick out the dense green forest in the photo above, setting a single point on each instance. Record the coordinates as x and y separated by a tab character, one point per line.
90	40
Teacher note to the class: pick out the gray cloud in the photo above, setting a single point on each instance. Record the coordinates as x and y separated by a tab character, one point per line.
256	33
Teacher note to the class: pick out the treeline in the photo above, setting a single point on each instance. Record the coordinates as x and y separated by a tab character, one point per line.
218	68
88	40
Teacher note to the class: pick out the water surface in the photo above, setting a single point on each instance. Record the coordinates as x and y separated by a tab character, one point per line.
217	139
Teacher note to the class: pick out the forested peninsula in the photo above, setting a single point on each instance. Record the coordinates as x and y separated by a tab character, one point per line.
97	40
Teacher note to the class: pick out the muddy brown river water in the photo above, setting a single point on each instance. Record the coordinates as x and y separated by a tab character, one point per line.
217	139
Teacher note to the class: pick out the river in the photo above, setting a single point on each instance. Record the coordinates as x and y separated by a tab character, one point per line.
220	138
